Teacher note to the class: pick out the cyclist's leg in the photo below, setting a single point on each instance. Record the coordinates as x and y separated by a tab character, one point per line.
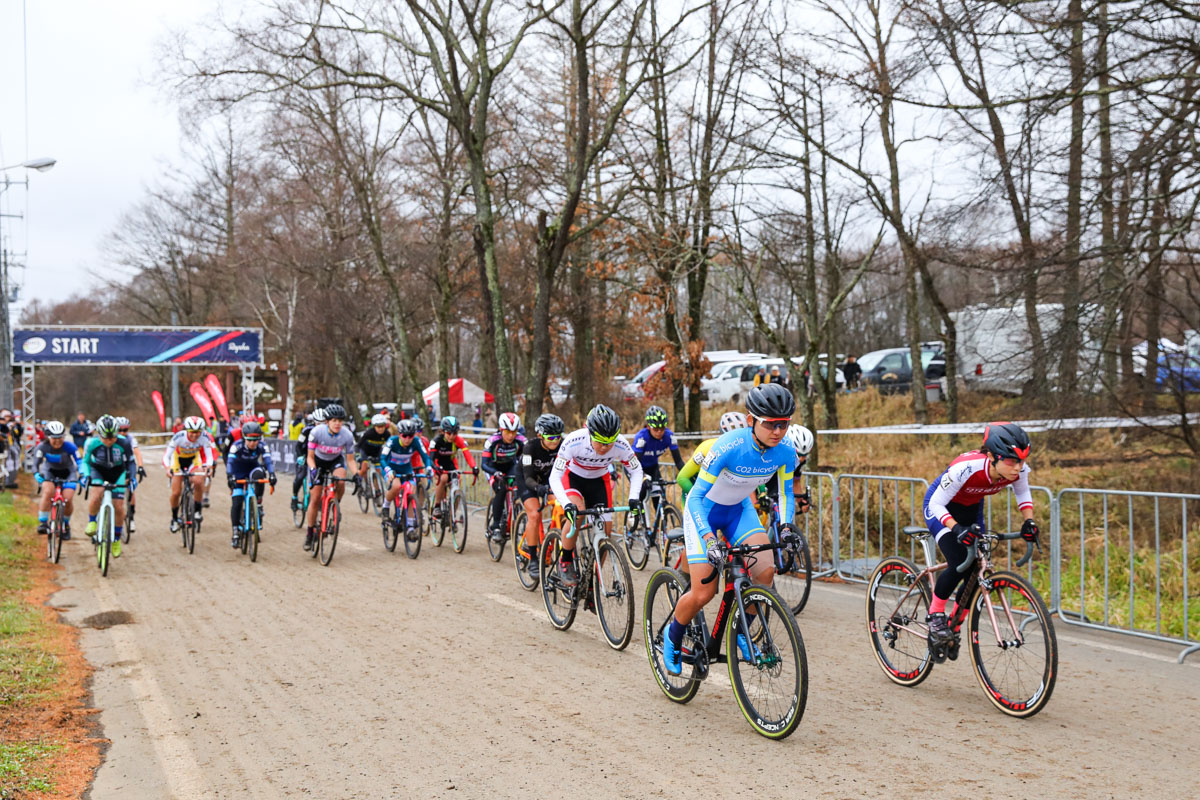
238	502
749	530
440	492
47	494
298	481
198	480
699	593
532	539
176	492
69	499
315	496
340	472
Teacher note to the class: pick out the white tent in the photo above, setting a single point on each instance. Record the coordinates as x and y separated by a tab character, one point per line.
461	393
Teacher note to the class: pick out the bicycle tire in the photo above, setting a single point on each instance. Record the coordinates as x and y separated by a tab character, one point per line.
663	591
560	601
612	590
796	585
636	546
54	535
437	527
376	483
528	582
300	513
898	631
412	528
752	684
126	530
104	548
249	512
327	540
495	546
997	666
458	522
188	526
671	519
364	497
250	538
390	528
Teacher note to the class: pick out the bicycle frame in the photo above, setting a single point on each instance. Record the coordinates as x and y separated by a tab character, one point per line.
408	490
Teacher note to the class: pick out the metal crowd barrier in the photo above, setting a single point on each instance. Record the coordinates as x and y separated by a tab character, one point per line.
1131	549
873	511
1038	571
820	523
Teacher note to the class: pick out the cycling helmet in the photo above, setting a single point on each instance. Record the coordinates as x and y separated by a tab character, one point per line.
450	424
1006	440
548	425
407	427
420	423
189	424
379	419
335	411
770	401
509	421
800	438
319	416
252	430
55	429
123	423
732	420
106	426
656	417
603	424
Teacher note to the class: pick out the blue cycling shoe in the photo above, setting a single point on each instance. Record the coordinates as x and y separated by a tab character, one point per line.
672	657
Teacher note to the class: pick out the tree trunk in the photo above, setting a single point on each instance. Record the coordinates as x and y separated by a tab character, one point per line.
1111	277
488	358
1069	336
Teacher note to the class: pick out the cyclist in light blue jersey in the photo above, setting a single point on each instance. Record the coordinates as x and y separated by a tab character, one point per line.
736	465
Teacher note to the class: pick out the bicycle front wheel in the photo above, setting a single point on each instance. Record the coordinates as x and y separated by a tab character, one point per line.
437	527
54	536
412	528
390	527
300	512
364	495
495	539
1013	647
663	591
795	584
189	524
772	687
896	611
250	538
328	537
458	521
671	519
637	545
613	592
520	561
558	597
104	549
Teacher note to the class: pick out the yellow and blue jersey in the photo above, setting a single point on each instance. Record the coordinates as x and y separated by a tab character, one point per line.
735	466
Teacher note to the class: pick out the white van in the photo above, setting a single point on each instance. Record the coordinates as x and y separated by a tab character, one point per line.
632	389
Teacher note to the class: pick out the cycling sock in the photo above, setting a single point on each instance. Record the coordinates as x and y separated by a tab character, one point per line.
175	512
937	605
91	517
675	632
117	530
568	556
43	516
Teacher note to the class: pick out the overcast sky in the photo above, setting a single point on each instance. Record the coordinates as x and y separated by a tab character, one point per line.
91	106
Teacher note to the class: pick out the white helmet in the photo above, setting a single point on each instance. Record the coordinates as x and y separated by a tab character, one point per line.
509	421
379	419
122	422
800	438
732	420
193	424
319	415
55	429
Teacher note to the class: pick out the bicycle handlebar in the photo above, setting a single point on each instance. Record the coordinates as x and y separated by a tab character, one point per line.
1000	537
742	550
247	481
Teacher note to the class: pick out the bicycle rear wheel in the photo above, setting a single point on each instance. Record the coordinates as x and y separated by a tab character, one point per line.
663	591
495	542
437	527
391	527
411	527
671	519
376	483
636	545
300	512
458	521
1015	658
613	591
328	537
794	586
364	494
771	690
559	599
896	621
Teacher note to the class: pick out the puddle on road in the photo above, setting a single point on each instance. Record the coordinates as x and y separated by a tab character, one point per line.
107	619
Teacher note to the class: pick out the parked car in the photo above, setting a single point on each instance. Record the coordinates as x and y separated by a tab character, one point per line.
1178	372
633	388
891	369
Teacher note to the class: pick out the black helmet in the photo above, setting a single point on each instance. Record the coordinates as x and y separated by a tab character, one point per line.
770	401
548	425
450	424
335	411
656	417
603	423
251	430
1006	440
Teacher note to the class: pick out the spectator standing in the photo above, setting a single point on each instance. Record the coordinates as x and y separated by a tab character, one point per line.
477	423
79	431
852	372
489	418
176	428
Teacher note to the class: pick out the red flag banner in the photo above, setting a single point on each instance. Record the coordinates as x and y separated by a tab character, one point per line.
217	393
157	397
201	398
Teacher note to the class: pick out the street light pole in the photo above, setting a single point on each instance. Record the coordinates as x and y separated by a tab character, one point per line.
6	354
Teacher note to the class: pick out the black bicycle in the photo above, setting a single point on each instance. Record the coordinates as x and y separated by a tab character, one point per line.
642	535
770	681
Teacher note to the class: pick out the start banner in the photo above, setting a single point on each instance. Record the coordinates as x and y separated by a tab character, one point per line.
99	345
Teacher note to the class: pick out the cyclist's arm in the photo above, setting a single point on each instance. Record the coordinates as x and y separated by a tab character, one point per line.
556	481
787	509
168	455
485	459
267	461
709	470
634	467
1024	496
311	459
948	486
687	476
529	472
461	444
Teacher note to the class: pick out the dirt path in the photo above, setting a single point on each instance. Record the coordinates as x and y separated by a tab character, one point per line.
381	677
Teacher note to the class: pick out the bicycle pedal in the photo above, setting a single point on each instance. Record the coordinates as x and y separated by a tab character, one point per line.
938	654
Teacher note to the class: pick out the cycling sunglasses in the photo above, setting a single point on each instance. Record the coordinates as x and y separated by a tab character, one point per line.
776	424
552	438
407	435
604	439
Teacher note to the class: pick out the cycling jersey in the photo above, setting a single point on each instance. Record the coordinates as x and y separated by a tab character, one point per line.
401	459
735	466
536	463
577	456
302	442
242	460
112	463
60	463
182	452
648	449
689	471
327	446
956	496
445	451
371	441
500	456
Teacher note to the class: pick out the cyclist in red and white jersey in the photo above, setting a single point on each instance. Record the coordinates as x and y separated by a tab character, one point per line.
580	477
954	503
191	450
